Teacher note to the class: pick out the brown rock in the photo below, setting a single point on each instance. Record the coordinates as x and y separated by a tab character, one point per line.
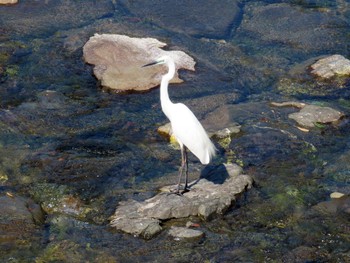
8	2
118	61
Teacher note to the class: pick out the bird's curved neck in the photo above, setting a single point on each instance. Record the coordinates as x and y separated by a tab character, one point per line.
164	95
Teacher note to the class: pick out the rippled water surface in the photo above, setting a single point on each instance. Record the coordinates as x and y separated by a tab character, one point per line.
78	150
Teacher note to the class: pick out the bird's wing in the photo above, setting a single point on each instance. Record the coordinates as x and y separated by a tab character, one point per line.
189	131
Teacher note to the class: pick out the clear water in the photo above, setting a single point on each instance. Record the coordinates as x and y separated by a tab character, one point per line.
60	133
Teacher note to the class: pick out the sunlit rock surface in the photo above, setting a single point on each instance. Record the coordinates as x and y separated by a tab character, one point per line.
211	195
7	2
118	61
331	66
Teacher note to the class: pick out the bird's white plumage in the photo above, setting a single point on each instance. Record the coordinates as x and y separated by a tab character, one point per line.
186	127
189	132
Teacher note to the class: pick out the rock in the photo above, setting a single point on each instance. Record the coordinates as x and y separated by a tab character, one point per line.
118	61
35	19
302	254
309	115
295	104
185	233
312	114
144	227
331	66
207	197
186	16
276	23
57	199
165	130
227	132
19	220
8	2
335	205
336	195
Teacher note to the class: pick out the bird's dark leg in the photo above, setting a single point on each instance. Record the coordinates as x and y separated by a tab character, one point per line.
186	169
183	163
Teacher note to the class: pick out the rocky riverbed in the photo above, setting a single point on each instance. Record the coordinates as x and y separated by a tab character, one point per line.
72	152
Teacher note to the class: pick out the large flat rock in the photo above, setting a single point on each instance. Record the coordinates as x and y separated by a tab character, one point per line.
209	196
118	61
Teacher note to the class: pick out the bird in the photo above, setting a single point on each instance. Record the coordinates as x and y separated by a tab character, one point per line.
188	131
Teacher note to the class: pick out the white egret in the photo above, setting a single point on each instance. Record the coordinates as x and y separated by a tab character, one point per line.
187	130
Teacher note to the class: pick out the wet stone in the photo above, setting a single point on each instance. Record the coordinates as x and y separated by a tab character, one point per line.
37	18
335	205
58	199
208	196
331	66
293	26
19	219
301	254
312	114
185	233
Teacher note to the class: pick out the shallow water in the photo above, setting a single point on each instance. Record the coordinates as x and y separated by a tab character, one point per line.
62	135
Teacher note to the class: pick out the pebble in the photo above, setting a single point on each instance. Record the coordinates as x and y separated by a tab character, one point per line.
185	233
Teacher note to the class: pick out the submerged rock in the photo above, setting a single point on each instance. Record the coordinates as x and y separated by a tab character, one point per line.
207	197
331	66
335	205
312	114
189	17
309	115
118	61
57	199
19	220
317	31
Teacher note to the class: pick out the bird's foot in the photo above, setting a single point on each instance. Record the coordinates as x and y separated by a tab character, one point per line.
175	193
178	191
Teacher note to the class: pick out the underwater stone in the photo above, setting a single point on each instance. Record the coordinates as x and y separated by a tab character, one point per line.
189	17
19	220
331	66
118	61
312	114
207	197
335	205
291	26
